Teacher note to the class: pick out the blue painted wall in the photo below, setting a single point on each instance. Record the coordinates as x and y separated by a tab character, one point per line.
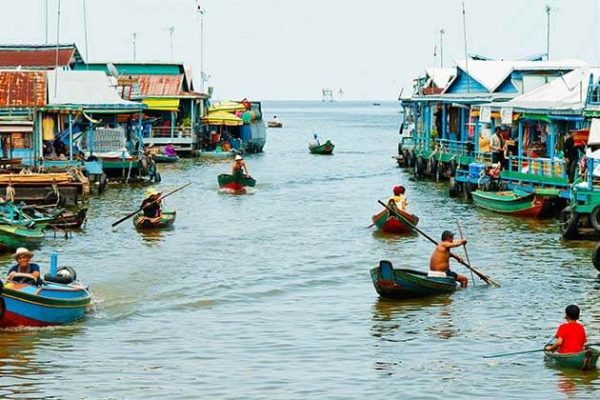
464	81
507	87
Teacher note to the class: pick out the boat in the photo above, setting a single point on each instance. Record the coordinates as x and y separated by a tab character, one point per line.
163	158
394	283
325	148
167	219
15	236
45	304
385	222
512	202
56	218
275	124
236	182
584	360
219	154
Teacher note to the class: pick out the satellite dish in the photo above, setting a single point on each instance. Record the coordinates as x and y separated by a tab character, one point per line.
112	70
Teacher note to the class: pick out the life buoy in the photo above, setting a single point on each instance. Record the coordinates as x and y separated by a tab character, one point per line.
595	218
55	198
452	187
68	276
102	183
568	221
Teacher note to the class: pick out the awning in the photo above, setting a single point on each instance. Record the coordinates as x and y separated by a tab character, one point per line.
162	104
222	118
226	106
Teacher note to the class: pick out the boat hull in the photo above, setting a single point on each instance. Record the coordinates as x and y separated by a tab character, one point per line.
272	124
44	305
164	159
394	283
167	220
520	204
584	360
324	149
15	236
235	182
390	224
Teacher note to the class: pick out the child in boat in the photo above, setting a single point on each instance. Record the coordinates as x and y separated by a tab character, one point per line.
398	200
24	269
570	336
150	207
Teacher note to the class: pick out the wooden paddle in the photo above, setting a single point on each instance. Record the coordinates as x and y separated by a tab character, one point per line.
530	351
465	247
125	218
483	277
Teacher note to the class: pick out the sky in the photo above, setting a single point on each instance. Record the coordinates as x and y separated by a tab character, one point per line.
291	49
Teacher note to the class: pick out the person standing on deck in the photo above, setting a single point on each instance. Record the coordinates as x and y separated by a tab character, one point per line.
151	205
571	153
398	200
497	147
570	336
439	264
239	166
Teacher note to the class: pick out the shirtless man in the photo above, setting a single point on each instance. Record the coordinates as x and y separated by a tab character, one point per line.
440	259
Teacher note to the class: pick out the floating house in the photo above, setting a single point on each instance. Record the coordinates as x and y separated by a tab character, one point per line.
173	109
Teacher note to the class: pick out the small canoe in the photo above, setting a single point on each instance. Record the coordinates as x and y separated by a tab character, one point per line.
511	202
236	182
385	222
217	154
15	236
25	304
58	218
274	124
394	283
325	148
163	158
167	219
584	360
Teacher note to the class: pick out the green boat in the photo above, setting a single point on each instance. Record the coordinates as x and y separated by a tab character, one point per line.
325	148
584	360
511	202
163	158
236	182
167	219
15	236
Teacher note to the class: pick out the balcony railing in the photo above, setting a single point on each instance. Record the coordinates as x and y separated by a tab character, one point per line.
165	132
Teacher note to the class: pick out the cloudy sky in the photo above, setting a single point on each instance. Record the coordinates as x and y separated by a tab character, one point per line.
290	49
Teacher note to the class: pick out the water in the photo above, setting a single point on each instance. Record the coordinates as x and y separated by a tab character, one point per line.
268	295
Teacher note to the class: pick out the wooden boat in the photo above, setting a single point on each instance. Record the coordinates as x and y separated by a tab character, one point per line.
407	284
57	218
512	202
275	124
584	360
167	219
28	304
385	222
236	182
163	158
15	236
325	148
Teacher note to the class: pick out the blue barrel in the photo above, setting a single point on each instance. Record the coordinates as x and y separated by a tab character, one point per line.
245	133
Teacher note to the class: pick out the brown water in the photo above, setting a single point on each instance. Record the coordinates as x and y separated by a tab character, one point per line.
269	296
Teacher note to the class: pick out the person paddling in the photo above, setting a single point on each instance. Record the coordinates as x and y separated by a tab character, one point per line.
570	336
439	263
398	200
150	207
239	166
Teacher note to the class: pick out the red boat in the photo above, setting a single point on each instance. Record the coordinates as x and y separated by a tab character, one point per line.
390	224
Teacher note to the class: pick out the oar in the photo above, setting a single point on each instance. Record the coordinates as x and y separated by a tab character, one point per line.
465	247
155	201
514	353
483	277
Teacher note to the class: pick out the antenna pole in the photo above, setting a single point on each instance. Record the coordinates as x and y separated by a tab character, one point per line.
202	73
134	44
46	20
171	31
548	9
57	51
442	31
465	36
85	30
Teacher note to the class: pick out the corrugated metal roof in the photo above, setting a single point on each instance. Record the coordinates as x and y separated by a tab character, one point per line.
160	85
37	56
22	88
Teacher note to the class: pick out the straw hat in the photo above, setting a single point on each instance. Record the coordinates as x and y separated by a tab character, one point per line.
152	192
23	251
238	158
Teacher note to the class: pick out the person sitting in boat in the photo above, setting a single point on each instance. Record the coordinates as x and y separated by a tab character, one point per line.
570	336
275	120
239	166
398	200
439	264
316	141
150	206
24	269
225	146
169	150
495	171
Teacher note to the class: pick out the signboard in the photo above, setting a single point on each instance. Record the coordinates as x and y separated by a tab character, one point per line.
485	114
506	115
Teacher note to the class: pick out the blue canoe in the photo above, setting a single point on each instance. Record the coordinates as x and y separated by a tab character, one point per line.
408	284
50	303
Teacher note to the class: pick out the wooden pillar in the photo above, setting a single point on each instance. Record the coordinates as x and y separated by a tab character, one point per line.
520	156
476	136
70	137
444	132
140	133
172	123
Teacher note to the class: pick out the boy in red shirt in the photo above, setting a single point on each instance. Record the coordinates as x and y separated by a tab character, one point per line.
570	336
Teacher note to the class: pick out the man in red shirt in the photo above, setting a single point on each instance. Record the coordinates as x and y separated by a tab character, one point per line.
570	336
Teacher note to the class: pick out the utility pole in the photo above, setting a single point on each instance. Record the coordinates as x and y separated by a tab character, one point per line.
442	31
202	73
46	20
171	32
548	9
134	44
87	55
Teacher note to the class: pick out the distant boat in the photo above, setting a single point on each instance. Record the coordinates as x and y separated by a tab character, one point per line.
325	148
275	124
376	104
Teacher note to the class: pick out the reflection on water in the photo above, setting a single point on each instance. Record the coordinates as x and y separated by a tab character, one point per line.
153	237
